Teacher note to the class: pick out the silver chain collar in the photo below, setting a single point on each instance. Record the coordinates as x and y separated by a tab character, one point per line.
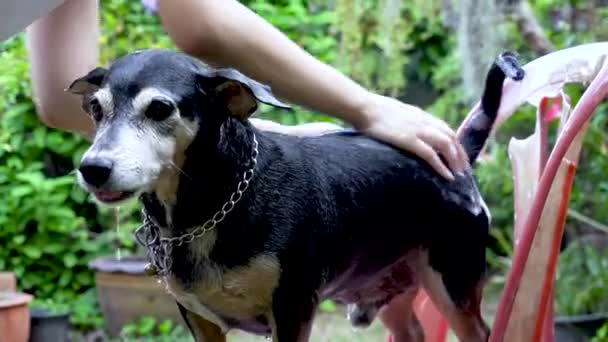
159	248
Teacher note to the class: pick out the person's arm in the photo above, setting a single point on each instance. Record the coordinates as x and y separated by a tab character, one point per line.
227	34
63	46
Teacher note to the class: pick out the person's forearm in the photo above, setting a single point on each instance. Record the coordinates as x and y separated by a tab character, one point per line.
62	47
227	34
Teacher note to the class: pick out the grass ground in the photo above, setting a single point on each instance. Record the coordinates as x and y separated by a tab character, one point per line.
328	327
334	327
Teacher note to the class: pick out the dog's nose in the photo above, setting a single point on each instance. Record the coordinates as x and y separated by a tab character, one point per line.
96	171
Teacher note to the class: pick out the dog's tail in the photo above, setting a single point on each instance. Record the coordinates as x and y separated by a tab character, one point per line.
478	128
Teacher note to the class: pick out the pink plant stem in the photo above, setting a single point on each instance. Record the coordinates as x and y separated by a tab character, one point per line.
548	329
544	325
597	91
543	123
545	115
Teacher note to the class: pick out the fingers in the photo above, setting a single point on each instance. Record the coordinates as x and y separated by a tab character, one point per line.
440	136
420	133
443	126
427	153
447	146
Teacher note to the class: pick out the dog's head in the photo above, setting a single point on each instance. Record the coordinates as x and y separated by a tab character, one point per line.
148	107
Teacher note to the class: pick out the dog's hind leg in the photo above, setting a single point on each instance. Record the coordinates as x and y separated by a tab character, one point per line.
464	315
400	320
202	330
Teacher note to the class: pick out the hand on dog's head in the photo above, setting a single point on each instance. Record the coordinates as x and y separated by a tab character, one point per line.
147	107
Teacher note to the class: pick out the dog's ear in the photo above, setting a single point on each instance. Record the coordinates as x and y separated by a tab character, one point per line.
237	92
89	82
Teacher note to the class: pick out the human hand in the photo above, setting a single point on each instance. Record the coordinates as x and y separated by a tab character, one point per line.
414	130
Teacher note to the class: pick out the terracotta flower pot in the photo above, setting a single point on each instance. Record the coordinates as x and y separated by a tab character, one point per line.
14	317
7	282
125	293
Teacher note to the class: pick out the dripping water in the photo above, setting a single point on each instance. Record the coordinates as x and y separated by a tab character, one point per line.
117	227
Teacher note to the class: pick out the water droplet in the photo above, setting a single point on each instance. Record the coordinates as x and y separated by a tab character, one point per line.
117	225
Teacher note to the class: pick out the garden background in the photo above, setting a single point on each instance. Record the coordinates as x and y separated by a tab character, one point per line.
430	53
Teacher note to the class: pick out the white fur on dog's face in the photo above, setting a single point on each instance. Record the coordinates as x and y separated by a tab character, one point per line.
145	154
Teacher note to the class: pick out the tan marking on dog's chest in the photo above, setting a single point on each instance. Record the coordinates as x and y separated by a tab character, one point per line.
243	292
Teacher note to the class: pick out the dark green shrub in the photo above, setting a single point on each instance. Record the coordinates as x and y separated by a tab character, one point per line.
49	229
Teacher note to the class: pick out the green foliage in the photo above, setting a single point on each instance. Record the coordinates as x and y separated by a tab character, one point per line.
582	279
84	311
49	243
308	24
126	27
328	306
374	38
51	228
601	334
149	329
51	306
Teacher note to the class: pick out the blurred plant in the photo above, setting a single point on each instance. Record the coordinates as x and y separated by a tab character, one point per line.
149	329
51	306
582	280
602	334
49	228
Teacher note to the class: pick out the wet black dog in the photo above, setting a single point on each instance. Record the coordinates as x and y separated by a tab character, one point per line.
250	229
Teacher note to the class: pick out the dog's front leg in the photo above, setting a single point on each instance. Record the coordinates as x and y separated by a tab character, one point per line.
202	330
292	316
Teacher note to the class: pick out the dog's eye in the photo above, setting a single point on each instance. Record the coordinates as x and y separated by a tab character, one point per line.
95	110
159	110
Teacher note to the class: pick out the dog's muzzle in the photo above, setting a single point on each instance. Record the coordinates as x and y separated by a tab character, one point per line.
96	173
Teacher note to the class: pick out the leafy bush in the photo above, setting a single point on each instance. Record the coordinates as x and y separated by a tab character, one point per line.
48	239
49	227
582	278
149	329
601	334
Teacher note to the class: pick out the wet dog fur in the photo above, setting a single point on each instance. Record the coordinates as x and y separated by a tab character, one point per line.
338	216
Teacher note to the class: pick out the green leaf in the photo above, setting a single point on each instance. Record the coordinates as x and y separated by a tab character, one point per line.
69	260
18	239
21	191
32	252
53	247
328	306
146	325
65	278
165	327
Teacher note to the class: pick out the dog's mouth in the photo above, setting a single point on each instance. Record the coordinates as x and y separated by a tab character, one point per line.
111	197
